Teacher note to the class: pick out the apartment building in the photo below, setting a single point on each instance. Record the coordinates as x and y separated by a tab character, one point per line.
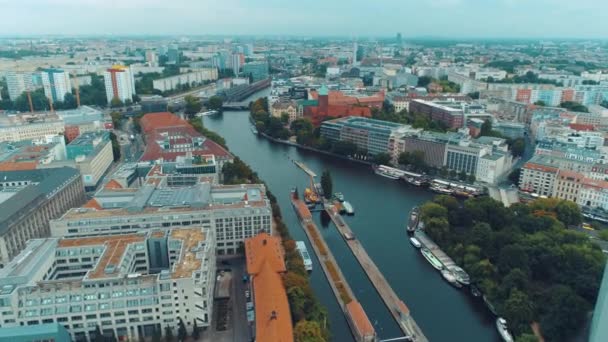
195	78
538	176
567	185
120	83
29	199
56	83
128	285
451	114
29	127
288	107
593	193
18	82
232	212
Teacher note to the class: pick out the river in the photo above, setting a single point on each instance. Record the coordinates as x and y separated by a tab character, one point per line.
382	205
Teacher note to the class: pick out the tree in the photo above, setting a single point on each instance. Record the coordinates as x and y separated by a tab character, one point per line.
540	103
168	334
438	229
116	117
574	106
526	338
345	148
563	314
486	128
182	333
519	311
424	81
569	213
517	147
326	184
308	331
115	146
215	103
284	118
69	101
195	332
382	159
193	105
116	102
474	95
433	210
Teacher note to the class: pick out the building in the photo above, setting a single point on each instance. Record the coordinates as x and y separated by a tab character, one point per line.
29	127
371	136
18	82
167	136
599	329
174	55
538	176
403	102
92	154
39	332
192	79
451	114
56	83
265	264
511	130
256	70
31	154
326	108
431	144
288	107
153	104
120	83
82	120
232	212
463	157
28	200
567	185
593	193
151	58
128	285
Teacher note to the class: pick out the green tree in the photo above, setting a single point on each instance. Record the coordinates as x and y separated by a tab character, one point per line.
326	184
168	334
382	159
193	105
438	229
116	117
517	147
424	81
215	103
433	210
115	146
540	103
574	106
519	311
195	331
563	314
345	148
182	333
307	331
526	338
116	102
569	213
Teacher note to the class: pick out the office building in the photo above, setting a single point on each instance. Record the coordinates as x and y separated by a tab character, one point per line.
192	79
128	285
120	83
56	83
370	135
256	70
31	154
335	104
29	127
29	200
92	154
18	82
232	212
173	55
167	137
462	157
265	265
451	114
431	144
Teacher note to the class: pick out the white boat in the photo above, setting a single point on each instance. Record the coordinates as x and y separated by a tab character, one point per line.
415	242
348	208
501	326
431	258
461	275
301	247
207	113
388	172
450	278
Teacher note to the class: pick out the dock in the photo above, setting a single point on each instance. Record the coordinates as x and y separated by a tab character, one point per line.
361	327
397	308
437	252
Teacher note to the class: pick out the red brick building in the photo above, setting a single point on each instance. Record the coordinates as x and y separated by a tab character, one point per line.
334	104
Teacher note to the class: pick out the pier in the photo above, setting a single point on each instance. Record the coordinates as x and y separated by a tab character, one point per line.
361	327
397	308
437	252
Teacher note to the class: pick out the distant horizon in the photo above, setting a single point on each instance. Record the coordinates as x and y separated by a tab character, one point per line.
450	19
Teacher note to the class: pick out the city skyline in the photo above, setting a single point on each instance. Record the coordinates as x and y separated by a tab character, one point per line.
459	19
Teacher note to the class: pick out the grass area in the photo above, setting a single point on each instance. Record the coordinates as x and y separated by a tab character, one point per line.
317	239
338	281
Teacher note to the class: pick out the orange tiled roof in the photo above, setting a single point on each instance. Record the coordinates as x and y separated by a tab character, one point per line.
93	204
360	319
18	166
113	184
265	263
539	167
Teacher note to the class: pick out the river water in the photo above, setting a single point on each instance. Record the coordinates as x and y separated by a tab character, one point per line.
381	205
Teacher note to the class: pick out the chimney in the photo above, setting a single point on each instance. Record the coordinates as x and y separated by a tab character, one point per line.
273	315
264	243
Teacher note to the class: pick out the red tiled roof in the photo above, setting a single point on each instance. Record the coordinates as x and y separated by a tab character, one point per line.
18	166
336	97
93	204
265	263
582	127
156	126
539	167
112	184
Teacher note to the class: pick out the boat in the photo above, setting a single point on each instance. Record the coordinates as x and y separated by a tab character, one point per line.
503	331
431	258
460	274
415	242
441	190
310	198
254	130
475	291
348	208
339	196
301	247
388	172
489	305
412	222
207	113
450	278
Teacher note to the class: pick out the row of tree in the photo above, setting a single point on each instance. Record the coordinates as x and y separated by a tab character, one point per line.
308	314
524	259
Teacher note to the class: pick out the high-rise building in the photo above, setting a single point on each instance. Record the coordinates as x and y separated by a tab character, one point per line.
355	48
257	70
173	55
398	40
151	57
236	62
56	83
18	82
120	83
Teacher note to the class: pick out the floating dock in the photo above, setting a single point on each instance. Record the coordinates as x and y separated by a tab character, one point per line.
397	308
437	252
361	327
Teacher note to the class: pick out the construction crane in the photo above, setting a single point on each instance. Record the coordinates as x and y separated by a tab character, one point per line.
77	89
311	195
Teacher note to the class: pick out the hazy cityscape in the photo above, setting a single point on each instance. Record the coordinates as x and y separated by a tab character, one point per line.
264	172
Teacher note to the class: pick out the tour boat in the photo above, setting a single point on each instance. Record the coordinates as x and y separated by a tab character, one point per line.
415	242
431	258
301	247
412	222
339	196
501	326
450	278
461	275
348	208
388	172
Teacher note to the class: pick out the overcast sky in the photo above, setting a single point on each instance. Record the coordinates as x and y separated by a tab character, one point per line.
413	18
